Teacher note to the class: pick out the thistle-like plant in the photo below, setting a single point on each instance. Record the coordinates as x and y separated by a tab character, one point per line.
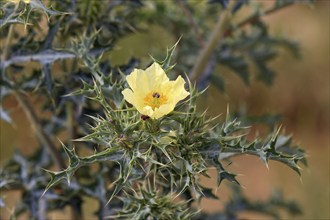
170	151
146	139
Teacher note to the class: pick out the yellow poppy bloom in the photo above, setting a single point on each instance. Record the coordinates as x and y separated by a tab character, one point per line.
17	1
152	93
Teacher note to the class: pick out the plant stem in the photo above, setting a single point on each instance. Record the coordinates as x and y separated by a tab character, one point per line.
76	201
192	22
70	122
38	129
8	39
211	44
255	16
7	43
47	56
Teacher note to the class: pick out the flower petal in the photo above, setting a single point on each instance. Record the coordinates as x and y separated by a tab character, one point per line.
131	97
138	82
156	76
176	90
147	110
163	110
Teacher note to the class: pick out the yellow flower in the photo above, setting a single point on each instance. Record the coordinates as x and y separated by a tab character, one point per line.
17	1
152	93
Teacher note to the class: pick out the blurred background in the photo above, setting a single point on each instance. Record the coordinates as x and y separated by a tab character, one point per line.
300	93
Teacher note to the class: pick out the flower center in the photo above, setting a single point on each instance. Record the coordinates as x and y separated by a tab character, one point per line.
155	99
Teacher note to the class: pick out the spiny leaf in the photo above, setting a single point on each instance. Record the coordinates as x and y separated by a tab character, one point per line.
109	154
237	63
119	184
55	178
207	192
166	63
223	174
38	5
11	20
73	158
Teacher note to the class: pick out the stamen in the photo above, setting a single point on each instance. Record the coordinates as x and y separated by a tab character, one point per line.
155	99
156	95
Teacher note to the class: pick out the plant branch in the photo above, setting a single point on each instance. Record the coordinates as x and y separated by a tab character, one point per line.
70	122
39	131
7	43
255	16
215	38
46	56
8	39
75	202
221	30
192	22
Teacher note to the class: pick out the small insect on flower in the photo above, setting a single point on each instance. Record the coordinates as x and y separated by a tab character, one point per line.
152	93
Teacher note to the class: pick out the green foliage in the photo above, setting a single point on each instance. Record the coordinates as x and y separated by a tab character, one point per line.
145	169
21	12
145	204
175	149
239	203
